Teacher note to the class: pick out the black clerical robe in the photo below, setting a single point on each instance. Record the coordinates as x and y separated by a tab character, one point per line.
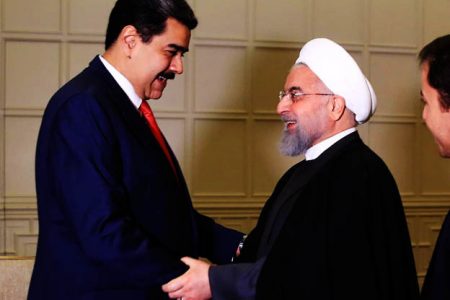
437	282
334	228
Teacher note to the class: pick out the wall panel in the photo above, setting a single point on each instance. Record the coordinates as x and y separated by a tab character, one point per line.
336	20
220	79
40	16
20	148
219	157
269	70
215	15
395	78
31	79
2	230
20	237
89	16
394	23
436	19
435	171
285	21
401	158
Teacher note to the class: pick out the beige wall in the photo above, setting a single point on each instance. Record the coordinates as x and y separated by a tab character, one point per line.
220	116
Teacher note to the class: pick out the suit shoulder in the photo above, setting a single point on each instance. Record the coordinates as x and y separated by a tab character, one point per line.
84	83
85	89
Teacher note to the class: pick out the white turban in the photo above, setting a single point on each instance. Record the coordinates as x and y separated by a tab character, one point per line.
341	74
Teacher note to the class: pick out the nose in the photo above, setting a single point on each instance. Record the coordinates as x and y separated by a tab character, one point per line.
283	105
176	65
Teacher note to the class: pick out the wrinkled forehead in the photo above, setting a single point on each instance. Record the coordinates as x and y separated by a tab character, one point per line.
302	76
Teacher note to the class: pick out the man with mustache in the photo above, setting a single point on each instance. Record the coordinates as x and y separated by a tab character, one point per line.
334	227
435	93
115	215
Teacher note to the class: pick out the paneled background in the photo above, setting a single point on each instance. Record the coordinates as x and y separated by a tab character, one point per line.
220	116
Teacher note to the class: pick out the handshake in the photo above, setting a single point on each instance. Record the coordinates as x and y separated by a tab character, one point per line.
192	285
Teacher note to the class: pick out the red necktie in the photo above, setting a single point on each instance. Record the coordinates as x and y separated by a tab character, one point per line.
151	121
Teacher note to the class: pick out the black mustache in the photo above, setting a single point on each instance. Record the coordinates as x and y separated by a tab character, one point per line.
167	75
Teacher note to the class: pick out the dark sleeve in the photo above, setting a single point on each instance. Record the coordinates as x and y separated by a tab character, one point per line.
86	174
217	243
235	281
436	285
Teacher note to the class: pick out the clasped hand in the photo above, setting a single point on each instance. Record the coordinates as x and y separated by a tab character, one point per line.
193	284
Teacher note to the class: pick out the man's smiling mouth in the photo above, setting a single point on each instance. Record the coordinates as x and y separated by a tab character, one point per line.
163	76
288	122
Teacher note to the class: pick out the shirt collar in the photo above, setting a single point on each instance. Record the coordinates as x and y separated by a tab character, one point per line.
123	82
316	150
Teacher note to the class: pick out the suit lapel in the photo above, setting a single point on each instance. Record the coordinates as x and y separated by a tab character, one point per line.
120	100
182	237
132	117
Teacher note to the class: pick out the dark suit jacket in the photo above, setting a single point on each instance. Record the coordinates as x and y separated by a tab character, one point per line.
114	219
334	228
437	282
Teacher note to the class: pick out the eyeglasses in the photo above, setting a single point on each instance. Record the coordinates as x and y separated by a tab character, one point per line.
295	96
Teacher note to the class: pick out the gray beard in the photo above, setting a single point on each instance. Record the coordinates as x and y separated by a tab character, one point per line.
296	143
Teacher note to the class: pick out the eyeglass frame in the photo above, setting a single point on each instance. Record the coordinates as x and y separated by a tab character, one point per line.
294	95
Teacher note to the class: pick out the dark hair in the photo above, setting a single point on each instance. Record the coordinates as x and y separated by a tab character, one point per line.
437	55
148	17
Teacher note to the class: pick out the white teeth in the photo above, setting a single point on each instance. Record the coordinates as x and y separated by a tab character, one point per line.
162	78
290	124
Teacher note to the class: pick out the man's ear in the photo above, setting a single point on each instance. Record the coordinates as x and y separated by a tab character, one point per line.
336	106
128	37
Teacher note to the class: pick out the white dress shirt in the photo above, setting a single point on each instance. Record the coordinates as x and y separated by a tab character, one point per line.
315	151
123	82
